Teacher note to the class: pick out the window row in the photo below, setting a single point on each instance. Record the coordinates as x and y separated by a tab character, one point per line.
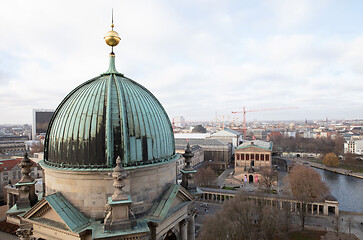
252	156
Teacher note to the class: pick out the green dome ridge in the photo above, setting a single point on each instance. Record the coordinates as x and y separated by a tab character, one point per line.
106	117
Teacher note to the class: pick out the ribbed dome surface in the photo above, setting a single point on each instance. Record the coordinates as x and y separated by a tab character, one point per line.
106	117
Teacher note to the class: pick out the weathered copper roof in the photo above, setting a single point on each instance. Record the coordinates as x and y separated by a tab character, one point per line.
106	117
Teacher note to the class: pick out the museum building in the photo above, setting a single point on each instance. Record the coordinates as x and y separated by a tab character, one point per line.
250	158
109	168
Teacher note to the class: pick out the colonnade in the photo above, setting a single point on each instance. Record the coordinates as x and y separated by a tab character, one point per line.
187	228
293	205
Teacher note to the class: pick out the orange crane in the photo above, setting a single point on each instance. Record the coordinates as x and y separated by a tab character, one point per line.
244	111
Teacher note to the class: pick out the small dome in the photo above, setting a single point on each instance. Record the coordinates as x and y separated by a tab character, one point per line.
106	117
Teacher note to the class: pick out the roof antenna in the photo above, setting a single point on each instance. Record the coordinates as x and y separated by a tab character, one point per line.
112	20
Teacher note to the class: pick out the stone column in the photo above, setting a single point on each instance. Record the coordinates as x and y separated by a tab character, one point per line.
318	210
325	210
152	227
183	230
10	200
191	227
336	211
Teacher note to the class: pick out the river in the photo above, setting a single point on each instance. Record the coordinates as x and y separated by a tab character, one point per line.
348	190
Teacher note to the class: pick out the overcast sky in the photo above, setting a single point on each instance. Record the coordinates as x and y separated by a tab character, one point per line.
196	57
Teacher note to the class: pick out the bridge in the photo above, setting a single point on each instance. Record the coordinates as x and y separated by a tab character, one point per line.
330	206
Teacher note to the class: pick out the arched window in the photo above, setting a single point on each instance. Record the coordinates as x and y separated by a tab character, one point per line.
257	157
262	157
267	157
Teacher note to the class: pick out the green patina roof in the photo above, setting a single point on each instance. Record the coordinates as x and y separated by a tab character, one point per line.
73	218
256	143
105	117
163	208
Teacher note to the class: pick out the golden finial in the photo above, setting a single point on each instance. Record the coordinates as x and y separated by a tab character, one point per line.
112	38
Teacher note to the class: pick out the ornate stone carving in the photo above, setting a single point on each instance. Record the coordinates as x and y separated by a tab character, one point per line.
188	171
24	189
26	185
188	155
118	213
25	166
24	234
119	175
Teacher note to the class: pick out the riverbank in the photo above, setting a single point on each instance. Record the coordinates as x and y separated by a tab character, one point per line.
331	169
337	170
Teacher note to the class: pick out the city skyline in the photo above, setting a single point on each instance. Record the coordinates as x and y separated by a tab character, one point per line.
196	58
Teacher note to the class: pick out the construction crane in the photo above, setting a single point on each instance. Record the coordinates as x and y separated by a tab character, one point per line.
258	110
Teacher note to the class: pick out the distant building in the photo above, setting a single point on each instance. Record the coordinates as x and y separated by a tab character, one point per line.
217	153
273	135
199	129
10	174
191	135
354	146
250	158
228	136
259	134
290	134
41	119
12	145
179	121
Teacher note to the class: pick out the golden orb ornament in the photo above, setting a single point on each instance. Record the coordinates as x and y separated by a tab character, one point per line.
112	38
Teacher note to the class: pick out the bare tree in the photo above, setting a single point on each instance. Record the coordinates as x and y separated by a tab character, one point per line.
271	224
243	218
306	185
268	177
217	227
39	147
205	177
339	144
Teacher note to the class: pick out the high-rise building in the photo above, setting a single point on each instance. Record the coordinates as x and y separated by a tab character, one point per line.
41	119
179	121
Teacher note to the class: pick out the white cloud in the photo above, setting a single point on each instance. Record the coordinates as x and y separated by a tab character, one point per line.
197	58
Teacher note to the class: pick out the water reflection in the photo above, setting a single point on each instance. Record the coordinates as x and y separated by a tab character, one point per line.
348	190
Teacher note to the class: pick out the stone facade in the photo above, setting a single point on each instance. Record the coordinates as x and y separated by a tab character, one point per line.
89	190
249	160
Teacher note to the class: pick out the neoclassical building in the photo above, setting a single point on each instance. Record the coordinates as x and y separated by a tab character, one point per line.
250	158
109	168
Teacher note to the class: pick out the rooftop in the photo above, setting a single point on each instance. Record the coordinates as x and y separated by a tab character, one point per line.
257	143
200	142
8	164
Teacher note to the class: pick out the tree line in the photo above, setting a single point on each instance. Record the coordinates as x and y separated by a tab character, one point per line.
300	144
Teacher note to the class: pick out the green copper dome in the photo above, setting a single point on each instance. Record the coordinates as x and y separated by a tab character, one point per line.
106	117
